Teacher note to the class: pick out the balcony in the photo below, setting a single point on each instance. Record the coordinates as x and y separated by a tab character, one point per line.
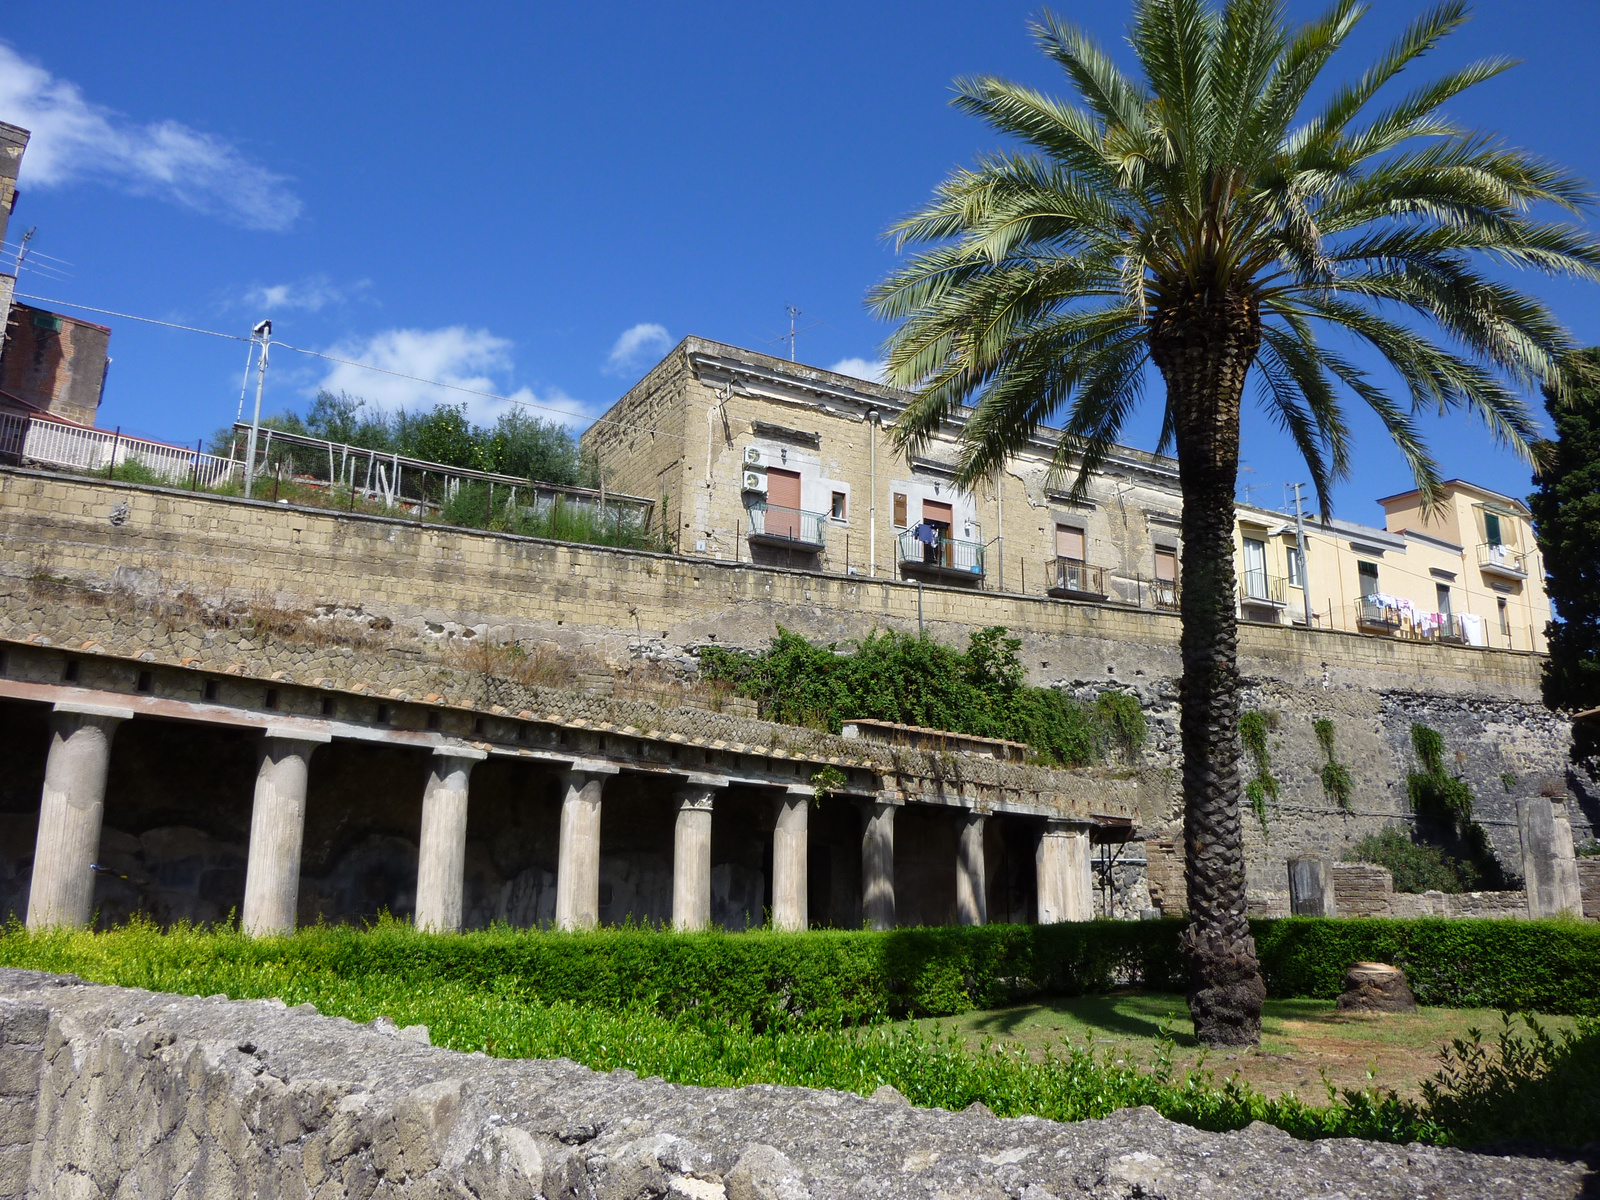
1259	590
1504	561
943	560
786	528
1375	615
1074	579
1160	594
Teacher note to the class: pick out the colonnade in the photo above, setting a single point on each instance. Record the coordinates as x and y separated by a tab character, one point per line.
73	798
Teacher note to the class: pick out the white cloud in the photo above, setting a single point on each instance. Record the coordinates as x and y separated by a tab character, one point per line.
313	294
871	370
74	139
636	345
467	358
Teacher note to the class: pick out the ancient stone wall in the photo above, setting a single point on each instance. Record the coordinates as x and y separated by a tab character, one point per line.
114	1091
624	608
1367	890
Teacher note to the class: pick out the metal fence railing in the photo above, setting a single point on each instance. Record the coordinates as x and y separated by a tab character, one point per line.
1071	575
779	524
27	439
932	554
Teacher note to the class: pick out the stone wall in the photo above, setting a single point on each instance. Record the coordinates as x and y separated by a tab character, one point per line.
1589	886
125	1092
1366	890
448	587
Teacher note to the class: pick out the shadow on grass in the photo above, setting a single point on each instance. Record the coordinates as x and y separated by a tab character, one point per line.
1133	1016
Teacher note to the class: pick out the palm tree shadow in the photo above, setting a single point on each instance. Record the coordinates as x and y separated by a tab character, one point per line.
1100	1013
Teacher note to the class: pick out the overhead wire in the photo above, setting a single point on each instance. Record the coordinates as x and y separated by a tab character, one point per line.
350	362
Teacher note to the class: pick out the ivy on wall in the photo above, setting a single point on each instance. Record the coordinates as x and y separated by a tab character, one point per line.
1254	725
1336	779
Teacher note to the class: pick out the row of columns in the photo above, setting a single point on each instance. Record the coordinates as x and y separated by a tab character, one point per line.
74	792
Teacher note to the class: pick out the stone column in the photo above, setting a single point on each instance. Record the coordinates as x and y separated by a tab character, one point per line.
442	847
1311	888
877	865
70	808
1065	893
972	903
277	830
578	869
691	854
790	845
1549	865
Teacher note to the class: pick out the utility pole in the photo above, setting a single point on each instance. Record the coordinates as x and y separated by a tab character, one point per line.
22	250
1305	561
264	332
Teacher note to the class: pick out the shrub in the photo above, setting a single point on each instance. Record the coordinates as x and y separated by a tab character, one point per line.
1530	966
1253	727
1336	779
1534	1088
914	680
1416	868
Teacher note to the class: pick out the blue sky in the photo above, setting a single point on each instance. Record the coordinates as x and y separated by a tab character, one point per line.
540	199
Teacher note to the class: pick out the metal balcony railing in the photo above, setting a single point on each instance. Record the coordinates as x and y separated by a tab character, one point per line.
1374	615
940	557
1502	560
1072	577
1258	588
1162	594
777	525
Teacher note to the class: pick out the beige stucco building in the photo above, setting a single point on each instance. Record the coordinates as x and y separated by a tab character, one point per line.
753	458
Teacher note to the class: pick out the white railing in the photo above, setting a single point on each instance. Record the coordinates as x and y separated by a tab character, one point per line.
54	443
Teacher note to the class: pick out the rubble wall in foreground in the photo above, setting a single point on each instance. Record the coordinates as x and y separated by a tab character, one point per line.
118	1091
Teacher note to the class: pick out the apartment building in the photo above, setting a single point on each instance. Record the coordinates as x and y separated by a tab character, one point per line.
757	459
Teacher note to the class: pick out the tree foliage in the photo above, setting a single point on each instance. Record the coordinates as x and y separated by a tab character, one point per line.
516	444
913	680
1566	520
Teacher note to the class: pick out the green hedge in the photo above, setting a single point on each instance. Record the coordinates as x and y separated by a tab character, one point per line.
1534	966
833	979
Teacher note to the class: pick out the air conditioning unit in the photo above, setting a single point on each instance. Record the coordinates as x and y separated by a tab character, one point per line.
754	481
753	457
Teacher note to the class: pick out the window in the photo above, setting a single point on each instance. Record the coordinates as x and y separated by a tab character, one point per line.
900	509
1441	595
1505	615
1255	568
1367	573
1069	543
1491	528
1297	568
1166	564
838	511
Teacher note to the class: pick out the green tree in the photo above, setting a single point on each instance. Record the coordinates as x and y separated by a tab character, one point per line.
1566	519
1207	219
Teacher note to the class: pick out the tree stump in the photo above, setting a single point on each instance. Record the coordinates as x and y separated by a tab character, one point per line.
1376	988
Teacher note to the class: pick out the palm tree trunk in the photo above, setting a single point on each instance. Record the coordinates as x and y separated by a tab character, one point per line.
1204	347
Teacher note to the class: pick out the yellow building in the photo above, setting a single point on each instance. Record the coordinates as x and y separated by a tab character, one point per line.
1469	574
757	459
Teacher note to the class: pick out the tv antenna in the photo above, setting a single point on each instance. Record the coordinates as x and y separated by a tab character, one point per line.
22	250
794	314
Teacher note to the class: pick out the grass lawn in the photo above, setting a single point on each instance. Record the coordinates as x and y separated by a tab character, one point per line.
1301	1040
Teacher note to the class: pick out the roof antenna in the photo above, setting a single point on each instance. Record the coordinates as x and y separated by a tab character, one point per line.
22	250
793	332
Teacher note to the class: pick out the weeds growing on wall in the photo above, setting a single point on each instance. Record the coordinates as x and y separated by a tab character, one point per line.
1254	726
914	680
1336	780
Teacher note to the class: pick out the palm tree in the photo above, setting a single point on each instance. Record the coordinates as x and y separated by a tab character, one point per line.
1207	220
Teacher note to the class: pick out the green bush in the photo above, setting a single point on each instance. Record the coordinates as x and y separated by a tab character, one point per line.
1416	868
914	680
1529	966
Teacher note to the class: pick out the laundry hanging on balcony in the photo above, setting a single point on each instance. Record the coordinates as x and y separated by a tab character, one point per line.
927	534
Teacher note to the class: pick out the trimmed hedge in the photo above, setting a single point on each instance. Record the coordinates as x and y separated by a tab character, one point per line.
834	979
1532	966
